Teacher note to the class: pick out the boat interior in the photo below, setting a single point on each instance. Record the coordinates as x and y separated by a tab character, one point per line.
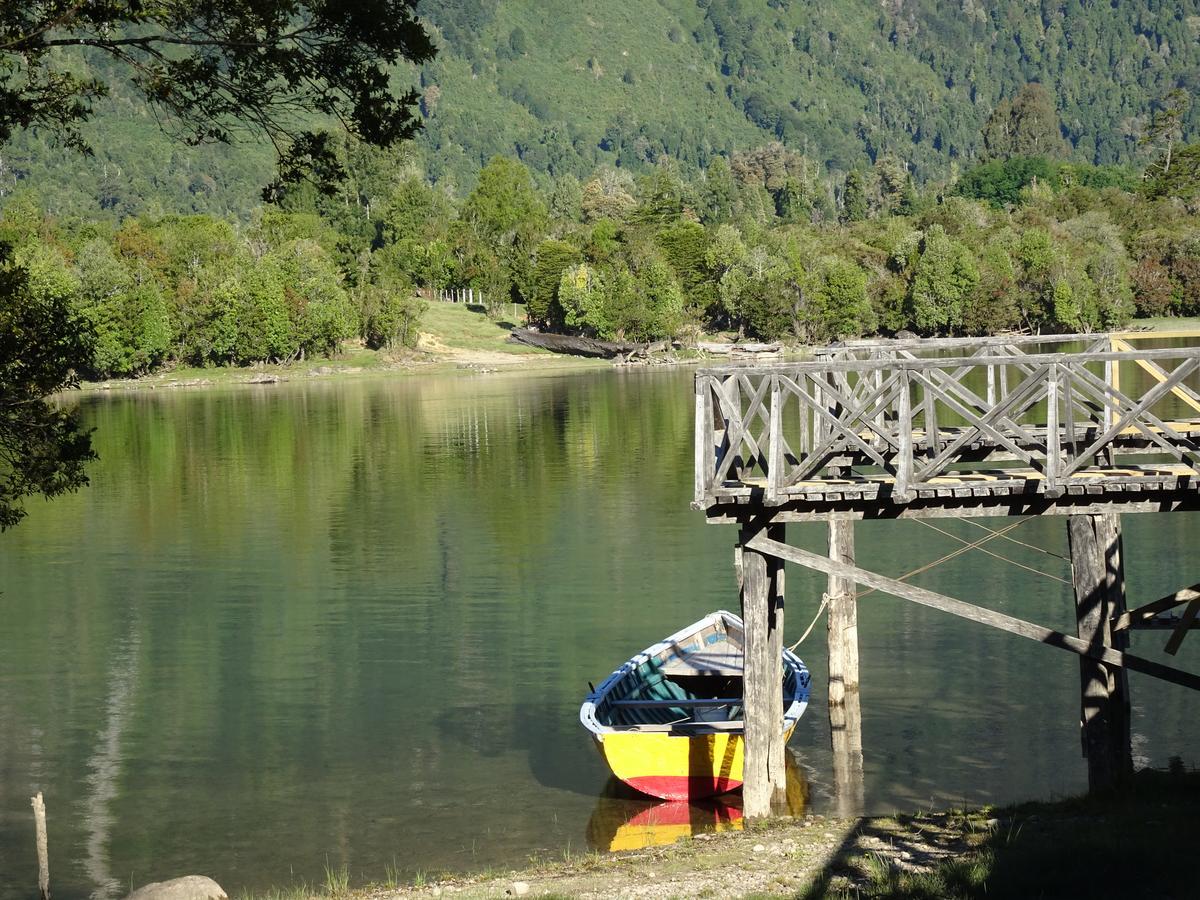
691	685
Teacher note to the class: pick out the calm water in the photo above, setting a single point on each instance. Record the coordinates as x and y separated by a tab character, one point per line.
351	623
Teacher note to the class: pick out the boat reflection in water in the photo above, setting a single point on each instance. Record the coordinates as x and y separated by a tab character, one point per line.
625	819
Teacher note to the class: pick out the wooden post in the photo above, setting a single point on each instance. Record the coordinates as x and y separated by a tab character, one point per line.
842	637
763	773
845	711
39	820
1098	573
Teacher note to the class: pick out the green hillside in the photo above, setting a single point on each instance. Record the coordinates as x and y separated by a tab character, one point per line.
566	87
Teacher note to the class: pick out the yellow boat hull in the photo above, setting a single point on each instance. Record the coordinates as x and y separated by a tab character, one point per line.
676	766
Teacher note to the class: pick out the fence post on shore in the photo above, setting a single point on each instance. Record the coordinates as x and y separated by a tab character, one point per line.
43	852
1099	576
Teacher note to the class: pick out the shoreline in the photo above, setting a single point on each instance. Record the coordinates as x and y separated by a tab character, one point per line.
1129	843
351	366
463	342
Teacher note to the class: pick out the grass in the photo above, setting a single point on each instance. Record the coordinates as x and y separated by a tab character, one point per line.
1168	323
337	881
469	328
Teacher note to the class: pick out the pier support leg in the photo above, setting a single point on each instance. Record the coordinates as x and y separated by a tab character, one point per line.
1099	576
845	710
761	580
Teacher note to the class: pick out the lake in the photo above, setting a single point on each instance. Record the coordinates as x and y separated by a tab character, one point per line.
350	623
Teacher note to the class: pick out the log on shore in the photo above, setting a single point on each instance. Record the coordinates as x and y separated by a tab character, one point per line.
574	344
736	349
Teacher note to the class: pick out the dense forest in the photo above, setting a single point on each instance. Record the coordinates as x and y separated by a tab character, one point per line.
761	244
567	88
661	170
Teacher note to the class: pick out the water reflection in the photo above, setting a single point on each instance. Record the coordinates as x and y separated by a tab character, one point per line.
104	766
351	624
625	819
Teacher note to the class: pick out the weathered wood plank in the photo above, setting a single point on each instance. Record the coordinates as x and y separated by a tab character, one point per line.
1098	574
705	448
1001	621
841	624
1186	622
1143	614
762	613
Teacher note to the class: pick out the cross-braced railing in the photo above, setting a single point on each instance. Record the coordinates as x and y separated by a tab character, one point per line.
995	420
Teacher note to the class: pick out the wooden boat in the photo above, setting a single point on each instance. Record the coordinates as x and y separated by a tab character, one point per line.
669	721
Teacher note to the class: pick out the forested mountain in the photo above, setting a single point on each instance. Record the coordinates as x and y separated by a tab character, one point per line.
567	87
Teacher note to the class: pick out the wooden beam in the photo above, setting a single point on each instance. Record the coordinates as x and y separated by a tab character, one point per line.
1108	530
1096	568
728	511
1186	622
762	613
1161	622
1144	616
842	621
974	613
845	706
777	751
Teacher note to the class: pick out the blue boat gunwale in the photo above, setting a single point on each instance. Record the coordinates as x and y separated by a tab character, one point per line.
794	705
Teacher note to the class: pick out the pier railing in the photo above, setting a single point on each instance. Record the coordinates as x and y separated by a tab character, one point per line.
999	420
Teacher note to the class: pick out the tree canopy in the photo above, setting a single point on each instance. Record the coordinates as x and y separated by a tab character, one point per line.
215	68
211	69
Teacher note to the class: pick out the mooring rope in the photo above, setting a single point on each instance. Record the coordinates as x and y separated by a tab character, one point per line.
1019	565
812	624
967	546
1014	540
951	555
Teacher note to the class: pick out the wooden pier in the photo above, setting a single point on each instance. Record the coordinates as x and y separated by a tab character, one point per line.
1083	426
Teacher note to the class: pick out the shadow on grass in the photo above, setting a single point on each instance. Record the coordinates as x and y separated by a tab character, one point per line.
1133	844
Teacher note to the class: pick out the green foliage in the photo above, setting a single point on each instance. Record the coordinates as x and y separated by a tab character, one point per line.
501	222
685	247
43	450
1180	180
217	69
1000	182
212	70
1075	252
583	298
321	313
553	259
842	307
944	277
504	201
1026	125
854	200
392	311
569	91
126	311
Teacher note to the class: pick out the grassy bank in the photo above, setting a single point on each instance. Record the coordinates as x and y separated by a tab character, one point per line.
1132	845
454	337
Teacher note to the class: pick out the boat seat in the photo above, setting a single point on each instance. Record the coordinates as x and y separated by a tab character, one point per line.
682	702
704	662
